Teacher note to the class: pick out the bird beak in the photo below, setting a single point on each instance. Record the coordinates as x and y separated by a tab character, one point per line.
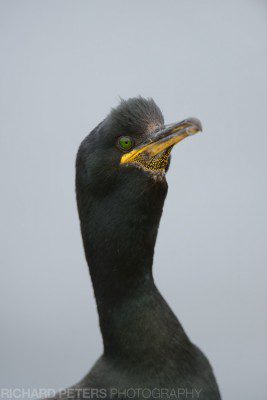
164	139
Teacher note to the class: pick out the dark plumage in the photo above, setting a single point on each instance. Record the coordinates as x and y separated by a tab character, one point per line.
120	196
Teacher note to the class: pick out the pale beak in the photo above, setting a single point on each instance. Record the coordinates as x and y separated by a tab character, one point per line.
164	139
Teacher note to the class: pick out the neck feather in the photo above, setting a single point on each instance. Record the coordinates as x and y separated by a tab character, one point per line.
119	233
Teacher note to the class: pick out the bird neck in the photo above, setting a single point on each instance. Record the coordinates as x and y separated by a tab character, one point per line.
119	233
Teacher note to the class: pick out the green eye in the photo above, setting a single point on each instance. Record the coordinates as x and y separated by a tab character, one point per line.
125	142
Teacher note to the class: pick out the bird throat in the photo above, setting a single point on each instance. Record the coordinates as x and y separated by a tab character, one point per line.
119	233
157	163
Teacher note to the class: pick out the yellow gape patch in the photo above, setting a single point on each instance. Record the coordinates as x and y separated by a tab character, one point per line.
157	163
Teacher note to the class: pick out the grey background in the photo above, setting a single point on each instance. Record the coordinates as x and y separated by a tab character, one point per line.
63	65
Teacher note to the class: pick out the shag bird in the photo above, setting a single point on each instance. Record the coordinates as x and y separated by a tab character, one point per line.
121	188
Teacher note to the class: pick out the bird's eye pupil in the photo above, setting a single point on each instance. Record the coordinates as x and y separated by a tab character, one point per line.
125	142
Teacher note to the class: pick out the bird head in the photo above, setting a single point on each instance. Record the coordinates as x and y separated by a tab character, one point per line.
132	144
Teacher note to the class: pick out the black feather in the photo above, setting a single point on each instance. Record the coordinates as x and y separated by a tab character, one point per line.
145	346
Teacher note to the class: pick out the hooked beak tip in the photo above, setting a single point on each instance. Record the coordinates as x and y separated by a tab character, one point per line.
194	126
